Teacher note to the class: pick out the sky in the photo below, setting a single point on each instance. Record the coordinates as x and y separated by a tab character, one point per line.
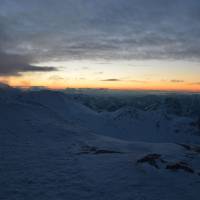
117	44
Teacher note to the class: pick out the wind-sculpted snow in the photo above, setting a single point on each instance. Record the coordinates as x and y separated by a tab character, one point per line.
54	147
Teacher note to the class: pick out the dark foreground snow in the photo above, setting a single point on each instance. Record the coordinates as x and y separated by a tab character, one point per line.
49	150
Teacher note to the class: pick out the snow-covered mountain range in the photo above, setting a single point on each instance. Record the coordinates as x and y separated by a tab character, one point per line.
61	145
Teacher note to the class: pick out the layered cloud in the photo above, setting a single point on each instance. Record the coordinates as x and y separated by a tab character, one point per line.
94	29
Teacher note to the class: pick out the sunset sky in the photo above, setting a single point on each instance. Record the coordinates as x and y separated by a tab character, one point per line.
118	44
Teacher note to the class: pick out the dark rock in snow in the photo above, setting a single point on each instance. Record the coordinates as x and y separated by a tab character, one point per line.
151	159
180	166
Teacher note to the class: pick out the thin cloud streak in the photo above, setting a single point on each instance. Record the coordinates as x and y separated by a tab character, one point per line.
112	80
177	81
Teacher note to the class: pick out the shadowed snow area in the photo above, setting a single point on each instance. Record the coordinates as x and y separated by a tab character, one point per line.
55	145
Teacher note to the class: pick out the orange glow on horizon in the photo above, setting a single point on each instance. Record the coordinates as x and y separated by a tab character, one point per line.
150	86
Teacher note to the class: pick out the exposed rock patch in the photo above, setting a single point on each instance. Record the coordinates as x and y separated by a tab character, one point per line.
95	150
152	159
180	166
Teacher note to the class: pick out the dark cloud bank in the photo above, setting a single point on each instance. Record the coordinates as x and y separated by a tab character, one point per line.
11	64
93	29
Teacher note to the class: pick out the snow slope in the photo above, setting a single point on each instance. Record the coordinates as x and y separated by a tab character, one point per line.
52	147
